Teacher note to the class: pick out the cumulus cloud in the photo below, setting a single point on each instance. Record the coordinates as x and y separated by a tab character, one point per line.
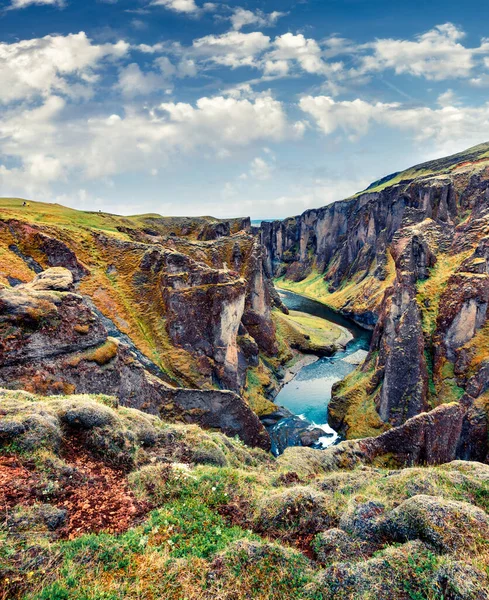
242	18
53	64
232	49
134	82
181	6
305	51
437	54
100	147
451	127
353	117
16	4
260	169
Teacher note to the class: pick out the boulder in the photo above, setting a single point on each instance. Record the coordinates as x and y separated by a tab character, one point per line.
447	525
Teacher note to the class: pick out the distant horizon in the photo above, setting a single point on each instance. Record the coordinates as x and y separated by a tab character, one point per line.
253	218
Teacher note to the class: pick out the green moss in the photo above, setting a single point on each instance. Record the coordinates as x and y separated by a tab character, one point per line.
258	380
353	403
233	531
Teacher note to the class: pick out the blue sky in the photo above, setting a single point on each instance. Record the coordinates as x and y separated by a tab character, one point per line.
261	108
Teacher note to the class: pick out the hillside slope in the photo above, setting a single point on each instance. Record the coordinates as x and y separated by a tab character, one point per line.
186	297
100	501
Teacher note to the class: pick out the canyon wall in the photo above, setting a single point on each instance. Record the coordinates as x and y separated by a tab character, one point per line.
167	314
407	259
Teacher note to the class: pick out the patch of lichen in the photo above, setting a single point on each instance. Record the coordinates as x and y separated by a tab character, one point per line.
102	354
477	350
447	389
353	405
12	265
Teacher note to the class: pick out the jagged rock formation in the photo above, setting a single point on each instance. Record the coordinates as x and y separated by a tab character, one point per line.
408	258
52	342
192	295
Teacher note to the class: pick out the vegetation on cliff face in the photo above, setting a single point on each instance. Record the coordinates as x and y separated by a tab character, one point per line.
100	501
179	288
311	334
408	257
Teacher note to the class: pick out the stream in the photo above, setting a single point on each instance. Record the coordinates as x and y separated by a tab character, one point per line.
308	394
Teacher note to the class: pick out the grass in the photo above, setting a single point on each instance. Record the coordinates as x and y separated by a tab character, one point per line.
232	531
309	333
353	404
442	166
430	290
258	380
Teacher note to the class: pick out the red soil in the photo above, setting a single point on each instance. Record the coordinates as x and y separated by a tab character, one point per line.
96	496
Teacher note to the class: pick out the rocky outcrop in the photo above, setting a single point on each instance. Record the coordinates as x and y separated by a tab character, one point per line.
188	296
52	342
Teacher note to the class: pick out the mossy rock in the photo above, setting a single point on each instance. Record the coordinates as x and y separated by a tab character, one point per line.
447	525
298	510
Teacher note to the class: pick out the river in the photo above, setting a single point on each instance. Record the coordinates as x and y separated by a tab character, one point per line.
308	394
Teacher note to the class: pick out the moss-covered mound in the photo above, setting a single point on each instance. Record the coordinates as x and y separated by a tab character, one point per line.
201	516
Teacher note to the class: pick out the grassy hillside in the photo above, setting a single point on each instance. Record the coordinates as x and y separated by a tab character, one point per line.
100	502
440	166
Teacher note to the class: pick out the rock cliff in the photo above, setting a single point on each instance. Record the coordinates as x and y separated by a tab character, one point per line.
52	342
407	258
167	314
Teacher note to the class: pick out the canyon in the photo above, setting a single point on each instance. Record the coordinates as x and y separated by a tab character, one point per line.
140	358
406	258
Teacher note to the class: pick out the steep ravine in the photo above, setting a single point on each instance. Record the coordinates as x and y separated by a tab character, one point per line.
409	259
302	418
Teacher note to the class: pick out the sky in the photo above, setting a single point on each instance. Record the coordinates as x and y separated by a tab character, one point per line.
260	108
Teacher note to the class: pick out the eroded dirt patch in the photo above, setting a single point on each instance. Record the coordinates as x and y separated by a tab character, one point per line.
96	496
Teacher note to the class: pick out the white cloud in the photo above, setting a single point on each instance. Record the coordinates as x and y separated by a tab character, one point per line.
450	127
42	66
182	6
45	145
260	169
437	54
242	17
353	117
276	68
448	98
26	3
317	193
133	82
305	51
232	49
